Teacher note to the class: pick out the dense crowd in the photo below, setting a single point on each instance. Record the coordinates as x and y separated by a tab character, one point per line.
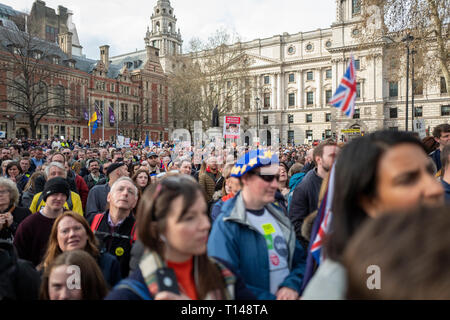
92	221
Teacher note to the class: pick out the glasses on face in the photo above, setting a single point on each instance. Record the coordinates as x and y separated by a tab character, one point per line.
267	177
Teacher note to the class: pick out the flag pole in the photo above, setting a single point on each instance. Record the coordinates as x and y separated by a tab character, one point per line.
103	120
89	124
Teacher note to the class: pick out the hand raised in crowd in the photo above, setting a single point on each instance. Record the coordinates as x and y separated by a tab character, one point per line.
286	293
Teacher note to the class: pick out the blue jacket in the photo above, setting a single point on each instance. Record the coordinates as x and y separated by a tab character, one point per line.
234	240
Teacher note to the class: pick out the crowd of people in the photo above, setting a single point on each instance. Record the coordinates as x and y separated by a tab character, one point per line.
93	221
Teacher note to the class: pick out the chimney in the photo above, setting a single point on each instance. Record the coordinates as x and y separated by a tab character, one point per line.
65	43
104	55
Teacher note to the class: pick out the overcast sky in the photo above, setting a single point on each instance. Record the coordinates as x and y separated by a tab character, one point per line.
122	24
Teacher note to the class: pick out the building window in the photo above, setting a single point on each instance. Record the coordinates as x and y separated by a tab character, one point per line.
327	117
291	50
356	115
418	112
291	136
266	100
328	74
291	99
309	117
228	84
124	112
266	79
309	47
291	77
327	134
445	110
309	135
393	114
309	75
247	102
356	7
393	89
443	85
358	90
265	119
310	98
357	64
328	44
418	87
290	118
328	95
393	128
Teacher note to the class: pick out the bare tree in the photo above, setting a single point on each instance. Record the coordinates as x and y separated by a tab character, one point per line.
29	68
213	74
427	21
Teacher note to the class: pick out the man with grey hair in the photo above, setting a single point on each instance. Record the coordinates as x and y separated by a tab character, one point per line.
115	228
73	203
97	197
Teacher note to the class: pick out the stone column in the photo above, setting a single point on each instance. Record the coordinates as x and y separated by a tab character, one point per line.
280	92
274	91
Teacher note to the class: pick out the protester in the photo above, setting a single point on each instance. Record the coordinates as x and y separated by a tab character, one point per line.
52	171
441	134
141	179
253	234
407	251
306	195
29	190
11	215
115	228
95	176
153	163
91	285
230	188
72	232
15	174
173	225
379	172
96	201
19	281
208	179
186	167
445	159
33	233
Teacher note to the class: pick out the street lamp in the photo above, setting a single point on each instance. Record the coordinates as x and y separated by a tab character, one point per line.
413	52
407	39
257	118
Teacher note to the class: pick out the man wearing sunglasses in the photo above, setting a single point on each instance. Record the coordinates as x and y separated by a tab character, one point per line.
255	236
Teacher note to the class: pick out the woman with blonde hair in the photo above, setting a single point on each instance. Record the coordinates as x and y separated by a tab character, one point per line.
230	188
72	232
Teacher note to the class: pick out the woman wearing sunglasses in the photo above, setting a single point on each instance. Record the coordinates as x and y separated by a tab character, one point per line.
173	225
254	234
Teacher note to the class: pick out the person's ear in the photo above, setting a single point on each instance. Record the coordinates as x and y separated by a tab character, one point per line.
370	206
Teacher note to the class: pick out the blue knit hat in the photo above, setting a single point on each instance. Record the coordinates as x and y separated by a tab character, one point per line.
252	160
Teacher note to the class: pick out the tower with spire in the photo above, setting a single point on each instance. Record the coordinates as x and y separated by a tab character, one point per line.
164	34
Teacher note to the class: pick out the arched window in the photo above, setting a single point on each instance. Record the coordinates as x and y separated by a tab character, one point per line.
157	26
170	27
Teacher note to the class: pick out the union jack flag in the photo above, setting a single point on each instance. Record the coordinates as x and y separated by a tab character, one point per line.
325	212
345	95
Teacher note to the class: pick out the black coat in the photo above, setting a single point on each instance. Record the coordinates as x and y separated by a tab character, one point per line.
19	214
304	201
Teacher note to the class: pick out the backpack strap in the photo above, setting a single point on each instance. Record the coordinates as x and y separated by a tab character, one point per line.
69	201
133	236
96	221
136	287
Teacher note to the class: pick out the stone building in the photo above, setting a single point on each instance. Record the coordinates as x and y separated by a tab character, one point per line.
293	76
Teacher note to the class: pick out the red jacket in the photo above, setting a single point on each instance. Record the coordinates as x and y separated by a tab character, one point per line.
83	189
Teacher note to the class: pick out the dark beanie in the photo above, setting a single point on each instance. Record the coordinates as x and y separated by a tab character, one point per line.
56	185
113	167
